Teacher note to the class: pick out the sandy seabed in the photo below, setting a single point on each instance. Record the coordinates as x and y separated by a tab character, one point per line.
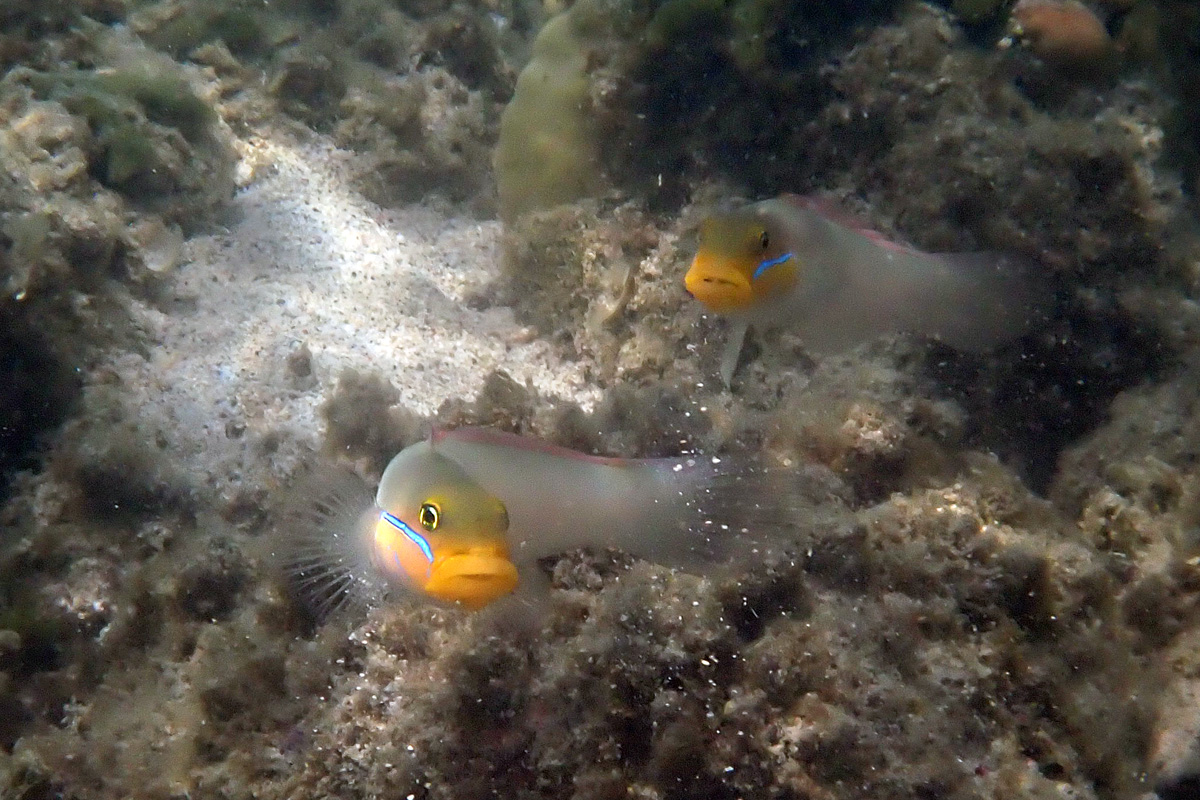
307	262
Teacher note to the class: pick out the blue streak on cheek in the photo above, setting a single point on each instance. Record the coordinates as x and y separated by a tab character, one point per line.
414	537
767	263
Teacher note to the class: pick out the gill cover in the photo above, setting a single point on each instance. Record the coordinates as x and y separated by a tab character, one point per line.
740	263
440	533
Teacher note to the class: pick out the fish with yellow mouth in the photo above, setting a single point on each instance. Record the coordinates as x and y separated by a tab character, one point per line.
797	261
463	517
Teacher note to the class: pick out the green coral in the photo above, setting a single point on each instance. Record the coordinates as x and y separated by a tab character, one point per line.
548	152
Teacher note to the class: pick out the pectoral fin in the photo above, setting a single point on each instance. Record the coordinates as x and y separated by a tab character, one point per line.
733	349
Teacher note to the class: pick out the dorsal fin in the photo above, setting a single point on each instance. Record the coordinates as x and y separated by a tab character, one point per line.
830	210
517	442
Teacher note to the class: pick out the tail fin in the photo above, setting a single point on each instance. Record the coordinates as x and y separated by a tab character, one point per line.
981	300
322	542
734	509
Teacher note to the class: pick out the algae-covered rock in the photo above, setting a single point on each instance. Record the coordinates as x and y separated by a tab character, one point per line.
152	136
977	10
609	272
808	672
423	135
89	150
180	28
108	150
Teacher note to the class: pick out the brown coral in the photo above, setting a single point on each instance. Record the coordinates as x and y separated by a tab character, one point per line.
1064	32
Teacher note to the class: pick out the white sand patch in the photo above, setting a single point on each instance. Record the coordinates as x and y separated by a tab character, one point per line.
311	262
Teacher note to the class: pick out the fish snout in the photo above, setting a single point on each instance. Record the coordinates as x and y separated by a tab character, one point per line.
472	578
720	287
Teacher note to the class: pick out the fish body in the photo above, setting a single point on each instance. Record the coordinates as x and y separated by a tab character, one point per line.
796	262
464	516
559	499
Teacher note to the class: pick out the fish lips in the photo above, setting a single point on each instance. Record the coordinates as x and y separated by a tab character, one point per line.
472	579
719	285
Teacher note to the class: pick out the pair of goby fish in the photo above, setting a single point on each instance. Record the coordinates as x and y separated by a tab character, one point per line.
464	517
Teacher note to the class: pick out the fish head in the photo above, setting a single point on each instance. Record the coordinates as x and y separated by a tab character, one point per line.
440	533
744	259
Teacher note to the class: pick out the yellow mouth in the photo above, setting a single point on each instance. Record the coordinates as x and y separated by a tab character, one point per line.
473	579
718	285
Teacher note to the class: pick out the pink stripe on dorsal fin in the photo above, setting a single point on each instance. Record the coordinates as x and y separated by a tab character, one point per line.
498	438
829	209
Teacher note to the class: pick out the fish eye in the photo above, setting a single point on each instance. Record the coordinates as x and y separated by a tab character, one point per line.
429	516
764	240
